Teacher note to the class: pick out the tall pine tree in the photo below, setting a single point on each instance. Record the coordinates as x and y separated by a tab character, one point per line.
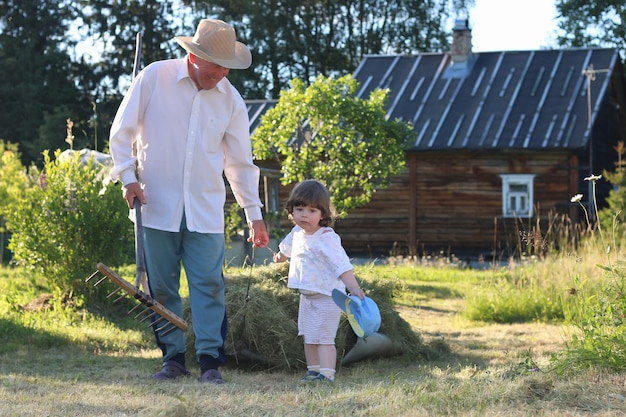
37	92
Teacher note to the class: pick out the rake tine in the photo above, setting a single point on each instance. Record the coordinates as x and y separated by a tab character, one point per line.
168	331
157	321
134	308
145	301
92	276
154	313
165	326
142	312
119	298
100	281
115	291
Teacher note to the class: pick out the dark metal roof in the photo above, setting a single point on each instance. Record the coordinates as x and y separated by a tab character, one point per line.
518	99
256	109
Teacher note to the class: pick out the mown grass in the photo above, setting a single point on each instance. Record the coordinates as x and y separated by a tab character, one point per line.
92	360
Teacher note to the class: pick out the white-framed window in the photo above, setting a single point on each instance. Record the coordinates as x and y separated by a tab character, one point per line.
517	195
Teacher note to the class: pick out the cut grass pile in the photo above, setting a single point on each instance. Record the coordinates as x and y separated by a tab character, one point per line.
263	315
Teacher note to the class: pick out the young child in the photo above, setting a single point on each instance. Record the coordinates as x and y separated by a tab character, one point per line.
318	264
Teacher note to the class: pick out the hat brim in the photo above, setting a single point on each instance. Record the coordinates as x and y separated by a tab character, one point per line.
242	59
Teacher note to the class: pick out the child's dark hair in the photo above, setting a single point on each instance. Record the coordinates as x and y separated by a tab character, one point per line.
312	193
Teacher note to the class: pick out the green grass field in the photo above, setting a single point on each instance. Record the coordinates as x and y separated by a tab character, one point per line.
488	338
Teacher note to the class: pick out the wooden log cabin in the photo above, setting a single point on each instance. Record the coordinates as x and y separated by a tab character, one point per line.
504	140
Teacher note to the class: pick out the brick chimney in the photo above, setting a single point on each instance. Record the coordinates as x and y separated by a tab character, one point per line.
461	47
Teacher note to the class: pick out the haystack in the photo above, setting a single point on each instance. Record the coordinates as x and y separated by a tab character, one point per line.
263	322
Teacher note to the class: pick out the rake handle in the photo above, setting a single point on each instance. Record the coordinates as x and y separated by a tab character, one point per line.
140	257
137	60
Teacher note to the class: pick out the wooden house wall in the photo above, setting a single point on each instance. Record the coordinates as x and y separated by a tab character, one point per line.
377	228
457	205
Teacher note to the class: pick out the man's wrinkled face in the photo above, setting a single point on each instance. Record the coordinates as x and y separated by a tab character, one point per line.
204	73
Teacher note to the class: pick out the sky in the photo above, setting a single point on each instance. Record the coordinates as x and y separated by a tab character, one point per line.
507	25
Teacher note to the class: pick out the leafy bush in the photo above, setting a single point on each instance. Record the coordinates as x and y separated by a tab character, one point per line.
67	222
612	217
13	180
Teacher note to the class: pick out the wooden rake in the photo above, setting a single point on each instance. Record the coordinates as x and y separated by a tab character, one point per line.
161	318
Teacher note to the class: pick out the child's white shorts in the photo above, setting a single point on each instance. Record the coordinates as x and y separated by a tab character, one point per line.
318	319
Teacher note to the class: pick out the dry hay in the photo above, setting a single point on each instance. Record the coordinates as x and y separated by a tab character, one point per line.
263	319
41	303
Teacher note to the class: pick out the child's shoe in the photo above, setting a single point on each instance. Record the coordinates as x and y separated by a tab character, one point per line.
310	376
322	378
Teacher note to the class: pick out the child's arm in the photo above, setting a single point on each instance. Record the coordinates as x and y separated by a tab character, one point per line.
279	257
351	283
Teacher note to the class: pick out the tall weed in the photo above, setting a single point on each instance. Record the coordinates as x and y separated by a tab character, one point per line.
598	319
597	312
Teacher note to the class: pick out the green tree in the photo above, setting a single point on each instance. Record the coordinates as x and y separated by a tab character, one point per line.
113	27
304	39
585	23
116	23
326	132
36	73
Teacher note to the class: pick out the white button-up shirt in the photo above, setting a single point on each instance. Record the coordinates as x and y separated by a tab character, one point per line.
316	261
185	140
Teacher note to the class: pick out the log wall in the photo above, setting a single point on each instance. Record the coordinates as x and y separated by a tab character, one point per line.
458	205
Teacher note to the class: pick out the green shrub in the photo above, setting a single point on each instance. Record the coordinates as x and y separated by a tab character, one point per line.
13	181
67	222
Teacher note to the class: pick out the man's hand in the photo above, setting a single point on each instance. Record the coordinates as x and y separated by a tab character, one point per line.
258	234
132	191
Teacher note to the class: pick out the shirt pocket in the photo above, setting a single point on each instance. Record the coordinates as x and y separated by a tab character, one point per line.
212	134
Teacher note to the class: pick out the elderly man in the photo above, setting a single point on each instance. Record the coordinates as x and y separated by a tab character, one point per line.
180	127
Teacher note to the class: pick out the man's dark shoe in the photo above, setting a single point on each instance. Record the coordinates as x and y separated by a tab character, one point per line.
170	370
212	376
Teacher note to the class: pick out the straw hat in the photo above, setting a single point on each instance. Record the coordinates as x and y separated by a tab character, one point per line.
215	41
